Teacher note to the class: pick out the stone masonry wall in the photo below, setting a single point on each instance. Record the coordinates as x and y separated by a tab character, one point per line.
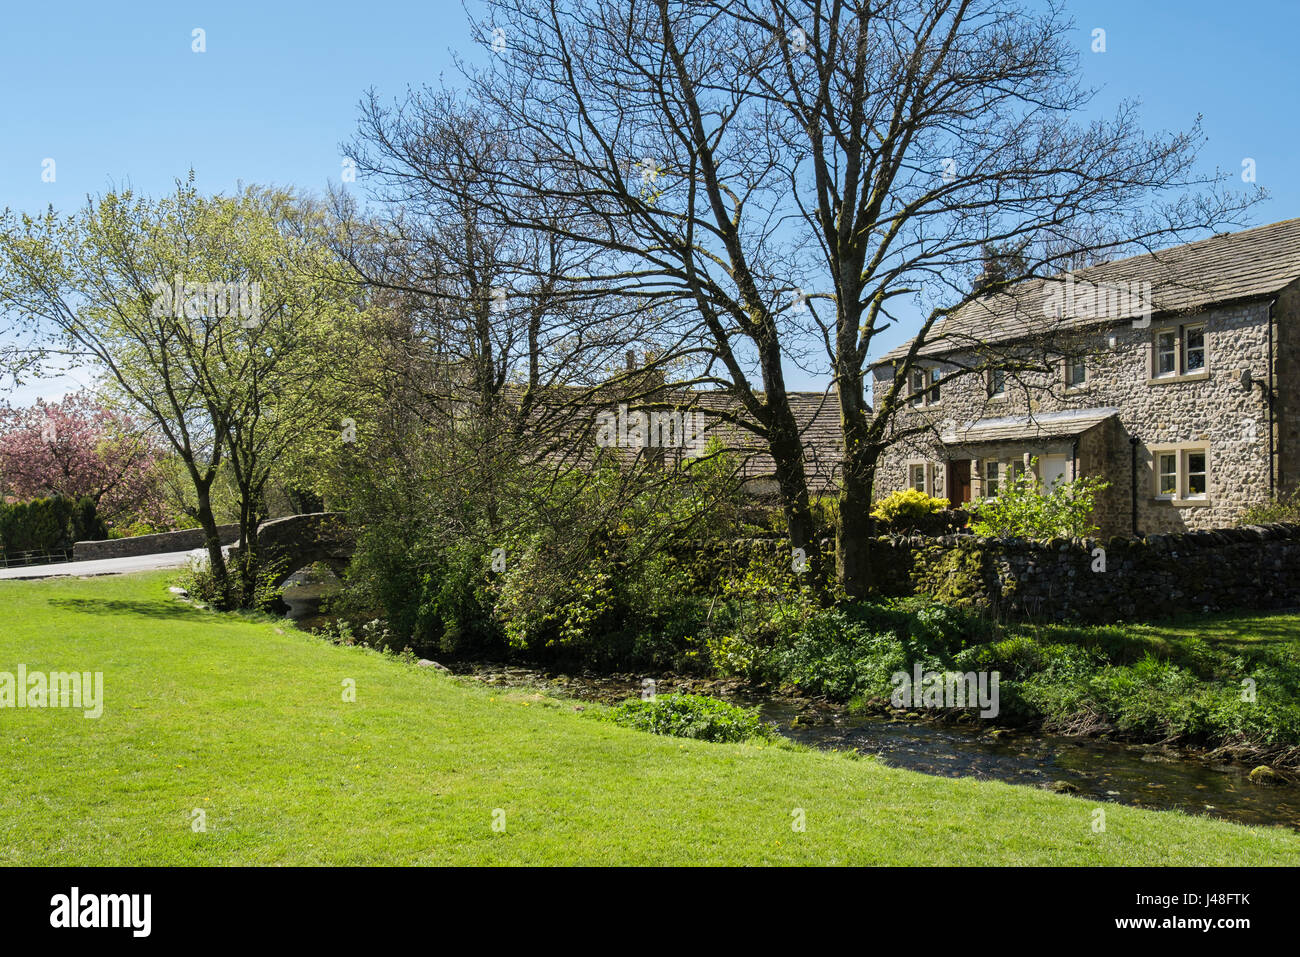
182	541
1157	577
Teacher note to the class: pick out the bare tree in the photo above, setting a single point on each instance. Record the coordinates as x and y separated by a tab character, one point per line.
611	122
927	141
499	321
825	169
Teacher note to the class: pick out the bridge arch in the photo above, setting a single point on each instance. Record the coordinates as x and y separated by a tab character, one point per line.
296	541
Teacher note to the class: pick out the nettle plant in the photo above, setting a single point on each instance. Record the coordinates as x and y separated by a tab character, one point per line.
1023	508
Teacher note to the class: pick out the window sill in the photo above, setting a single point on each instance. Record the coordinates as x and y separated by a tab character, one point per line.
1183	502
1188	377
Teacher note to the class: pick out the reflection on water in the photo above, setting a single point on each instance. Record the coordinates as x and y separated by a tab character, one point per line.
1141	776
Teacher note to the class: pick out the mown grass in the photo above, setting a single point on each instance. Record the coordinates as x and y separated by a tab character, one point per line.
226	714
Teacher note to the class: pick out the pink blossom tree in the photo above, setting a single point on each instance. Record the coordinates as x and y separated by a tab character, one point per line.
79	447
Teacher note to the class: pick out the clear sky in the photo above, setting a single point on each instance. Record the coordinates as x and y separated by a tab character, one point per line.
114	94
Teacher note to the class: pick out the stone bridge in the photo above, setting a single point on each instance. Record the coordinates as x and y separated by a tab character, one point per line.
295	541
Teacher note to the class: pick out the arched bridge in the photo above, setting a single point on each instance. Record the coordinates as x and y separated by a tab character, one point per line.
295	541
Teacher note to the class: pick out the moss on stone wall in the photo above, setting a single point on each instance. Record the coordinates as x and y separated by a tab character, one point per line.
1085	580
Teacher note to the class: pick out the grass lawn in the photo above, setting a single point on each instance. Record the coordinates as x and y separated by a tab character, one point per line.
222	713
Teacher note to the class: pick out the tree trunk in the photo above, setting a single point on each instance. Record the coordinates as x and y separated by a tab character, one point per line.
786	448
853	531
853	525
212	541
787	453
248	558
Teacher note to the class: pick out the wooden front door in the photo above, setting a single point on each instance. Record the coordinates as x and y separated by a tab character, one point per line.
959	481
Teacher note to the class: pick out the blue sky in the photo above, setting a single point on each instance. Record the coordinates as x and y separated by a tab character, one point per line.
114	94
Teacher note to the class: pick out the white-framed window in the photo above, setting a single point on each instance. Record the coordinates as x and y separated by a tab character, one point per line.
1182	473
1166	354
916	476
1196	470
1076	372
1167	475
916	387
1179	351
997	383
923	387
992	477
1193	348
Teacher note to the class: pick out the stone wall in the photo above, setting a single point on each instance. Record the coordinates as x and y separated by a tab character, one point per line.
1211	408
295	541
1156	577
1286	370
182	541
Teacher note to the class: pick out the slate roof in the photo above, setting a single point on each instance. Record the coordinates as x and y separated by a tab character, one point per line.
816	414
1229	267
570	427
1017	427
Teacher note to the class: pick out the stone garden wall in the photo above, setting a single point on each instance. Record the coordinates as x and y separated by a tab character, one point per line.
182	541
1063	580
1139	579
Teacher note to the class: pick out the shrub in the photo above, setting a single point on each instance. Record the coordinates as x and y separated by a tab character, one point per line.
825	511
852	651
373	634
1283	508
841	659
1021	509
198	580
430	588
692	716
606	578
907	509
760	605
48	524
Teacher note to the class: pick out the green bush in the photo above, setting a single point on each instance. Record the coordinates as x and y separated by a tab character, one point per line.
825	511
692	716
432	591
197	579
907	508
759	604
48	524
1022	509
1283	508
614	577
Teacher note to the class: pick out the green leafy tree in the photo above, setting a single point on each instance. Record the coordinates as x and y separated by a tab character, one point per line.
218	318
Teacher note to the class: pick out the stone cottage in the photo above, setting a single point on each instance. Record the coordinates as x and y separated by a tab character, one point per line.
1171	375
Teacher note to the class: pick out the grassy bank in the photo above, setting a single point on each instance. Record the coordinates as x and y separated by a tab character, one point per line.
1227	683
227	715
